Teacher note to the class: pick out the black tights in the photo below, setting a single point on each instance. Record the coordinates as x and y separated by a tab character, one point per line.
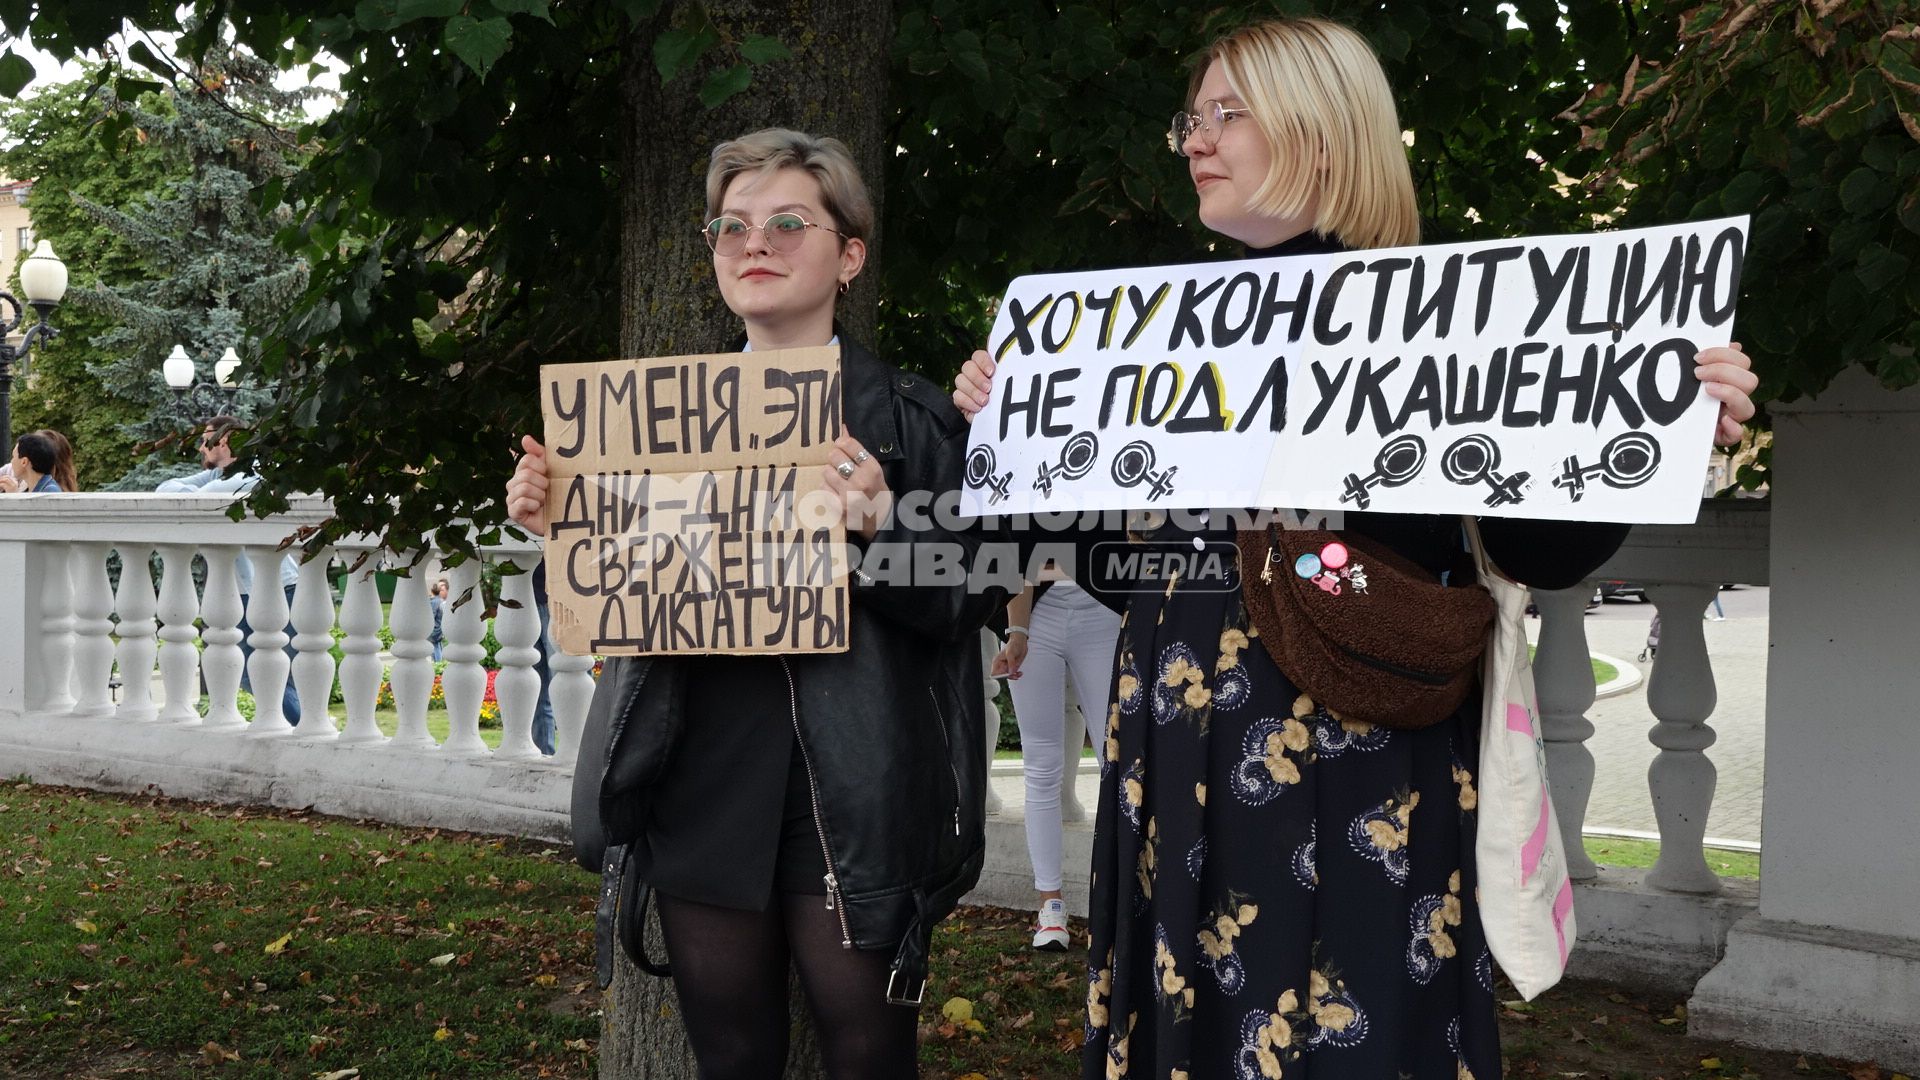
730	970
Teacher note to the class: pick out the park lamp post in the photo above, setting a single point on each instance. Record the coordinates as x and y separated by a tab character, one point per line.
202	401
43	280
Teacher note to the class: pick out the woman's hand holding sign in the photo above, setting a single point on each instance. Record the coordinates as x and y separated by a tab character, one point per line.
527	490
1725	373
857	485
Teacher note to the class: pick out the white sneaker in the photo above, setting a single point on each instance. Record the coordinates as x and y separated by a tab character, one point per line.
1050	927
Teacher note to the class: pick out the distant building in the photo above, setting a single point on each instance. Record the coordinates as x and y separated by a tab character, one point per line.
16	232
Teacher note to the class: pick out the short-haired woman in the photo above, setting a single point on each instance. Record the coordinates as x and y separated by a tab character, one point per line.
34	459
823	808
1280	892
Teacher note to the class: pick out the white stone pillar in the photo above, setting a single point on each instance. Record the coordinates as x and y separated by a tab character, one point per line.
313	642
1564	688
1830	964
135	604
360	667
464	683
517	686
179	656
990	689
411	621
92	630
222	661
571	692
1681	694
268	667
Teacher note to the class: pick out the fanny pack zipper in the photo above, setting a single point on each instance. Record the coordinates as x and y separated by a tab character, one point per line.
835	903
1390	668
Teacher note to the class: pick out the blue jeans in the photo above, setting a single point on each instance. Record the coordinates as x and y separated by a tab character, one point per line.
543	711
289	701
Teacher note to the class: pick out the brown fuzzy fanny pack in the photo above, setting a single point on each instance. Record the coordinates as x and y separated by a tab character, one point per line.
1362	631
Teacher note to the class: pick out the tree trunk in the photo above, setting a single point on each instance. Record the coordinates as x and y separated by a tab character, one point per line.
835	84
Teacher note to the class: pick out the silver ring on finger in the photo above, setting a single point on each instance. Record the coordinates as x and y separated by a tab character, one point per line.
860	457
845	469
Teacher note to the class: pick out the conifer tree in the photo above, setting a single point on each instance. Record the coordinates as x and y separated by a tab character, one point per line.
215	280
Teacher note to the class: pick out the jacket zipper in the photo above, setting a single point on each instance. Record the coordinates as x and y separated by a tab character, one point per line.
1395	669
835	903
940	721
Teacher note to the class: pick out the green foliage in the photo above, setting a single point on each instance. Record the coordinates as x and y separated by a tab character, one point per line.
58	139
1808	118
215	275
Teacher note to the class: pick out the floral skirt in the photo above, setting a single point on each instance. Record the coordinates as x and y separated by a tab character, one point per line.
1277	893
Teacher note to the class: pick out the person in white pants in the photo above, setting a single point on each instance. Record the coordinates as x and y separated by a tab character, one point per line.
1051	628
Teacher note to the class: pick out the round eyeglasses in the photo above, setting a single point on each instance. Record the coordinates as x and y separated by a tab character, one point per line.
784	232
1206	123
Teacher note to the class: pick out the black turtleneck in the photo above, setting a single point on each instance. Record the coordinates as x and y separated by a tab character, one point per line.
1307	243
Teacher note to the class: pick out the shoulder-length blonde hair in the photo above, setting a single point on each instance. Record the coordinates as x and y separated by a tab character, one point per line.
826	159
1316	91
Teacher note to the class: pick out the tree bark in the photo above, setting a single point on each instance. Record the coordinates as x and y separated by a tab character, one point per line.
835	84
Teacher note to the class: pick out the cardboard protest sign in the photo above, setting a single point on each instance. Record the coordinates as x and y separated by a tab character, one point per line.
1549	377
686	511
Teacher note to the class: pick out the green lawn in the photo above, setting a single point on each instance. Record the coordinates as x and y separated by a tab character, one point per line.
178	941
1612	851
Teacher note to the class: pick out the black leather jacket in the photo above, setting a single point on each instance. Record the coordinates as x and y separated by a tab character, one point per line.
891	729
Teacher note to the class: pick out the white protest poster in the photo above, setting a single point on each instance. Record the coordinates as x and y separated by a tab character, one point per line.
686	512
1547	377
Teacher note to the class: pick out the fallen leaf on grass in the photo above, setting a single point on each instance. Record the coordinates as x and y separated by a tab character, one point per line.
85	926
443	959
442	1034
957	1010
546	980
1864	1072
338	1074
213	1053
1710	1063
970	1076
579	1044
278	945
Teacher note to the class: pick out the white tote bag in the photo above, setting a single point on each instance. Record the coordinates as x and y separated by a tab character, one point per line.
1526	898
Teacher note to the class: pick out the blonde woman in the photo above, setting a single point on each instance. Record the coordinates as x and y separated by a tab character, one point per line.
1279	893
822	809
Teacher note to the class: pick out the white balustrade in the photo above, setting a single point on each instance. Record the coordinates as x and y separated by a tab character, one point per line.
92	631
179	659
312	643
360	648
570	691
464	683
134	654
517	686
56	628
1564	691
1681	694
990	689
411	620
222	661
268	668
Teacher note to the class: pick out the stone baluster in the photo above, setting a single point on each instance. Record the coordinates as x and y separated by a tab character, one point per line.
571	692
179	658
412	679
464	683
360	668
1563	690
990	688
92	631
56	627
517	686
222	661
1681	694
313	642
134	603
1074	736
268	667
